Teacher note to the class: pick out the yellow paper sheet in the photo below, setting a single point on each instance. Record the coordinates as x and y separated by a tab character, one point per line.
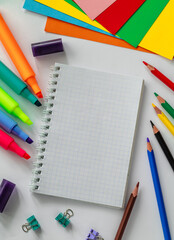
66	8
160	37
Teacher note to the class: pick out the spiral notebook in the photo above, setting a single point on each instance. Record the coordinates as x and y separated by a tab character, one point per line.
87	135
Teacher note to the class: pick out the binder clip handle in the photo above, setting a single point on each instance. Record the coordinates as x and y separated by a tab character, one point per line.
69	213
26	227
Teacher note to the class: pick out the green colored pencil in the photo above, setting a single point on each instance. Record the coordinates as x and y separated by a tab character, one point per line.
165	105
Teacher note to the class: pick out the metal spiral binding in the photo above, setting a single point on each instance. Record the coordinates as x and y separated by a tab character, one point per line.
47	113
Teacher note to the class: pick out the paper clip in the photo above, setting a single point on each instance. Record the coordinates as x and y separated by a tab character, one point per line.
93	235
63	219
32	224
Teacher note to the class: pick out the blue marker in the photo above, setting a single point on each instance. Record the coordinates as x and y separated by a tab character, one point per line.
10	126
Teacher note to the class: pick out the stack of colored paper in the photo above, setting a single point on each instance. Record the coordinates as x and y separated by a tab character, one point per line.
145	25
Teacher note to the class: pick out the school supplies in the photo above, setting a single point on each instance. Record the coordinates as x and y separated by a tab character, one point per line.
12	107
32	223
18	58
86	125
160	76
39	8
93	235
160	37
67	29
158	191
164	119
10	126
116	15
165	105
94	7
6	189
163	145
63	218
127	213
139	24
8	143
16	84
64	7
47	47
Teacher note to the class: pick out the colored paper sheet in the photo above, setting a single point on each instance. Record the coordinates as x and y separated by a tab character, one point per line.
115	16
160	38
64	7
67	29
74	4
36	7
93	8
138	25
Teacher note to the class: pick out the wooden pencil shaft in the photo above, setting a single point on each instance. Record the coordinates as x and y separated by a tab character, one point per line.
165	149
168	108
125	217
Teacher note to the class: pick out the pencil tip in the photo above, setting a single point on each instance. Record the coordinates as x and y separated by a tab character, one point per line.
152	123
148	140
145	63
135	191
155	94
153	105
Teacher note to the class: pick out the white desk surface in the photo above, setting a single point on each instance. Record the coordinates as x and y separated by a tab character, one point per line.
144	222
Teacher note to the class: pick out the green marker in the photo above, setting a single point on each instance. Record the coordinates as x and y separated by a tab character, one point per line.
165	105
12	107
16	84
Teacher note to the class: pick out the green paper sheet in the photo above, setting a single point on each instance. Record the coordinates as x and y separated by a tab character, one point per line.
139	24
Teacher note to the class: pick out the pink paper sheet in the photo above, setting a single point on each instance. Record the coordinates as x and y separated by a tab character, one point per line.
94	7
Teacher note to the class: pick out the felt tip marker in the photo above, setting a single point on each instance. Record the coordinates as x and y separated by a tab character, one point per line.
12	107
8	143
10	126
16	84
18	58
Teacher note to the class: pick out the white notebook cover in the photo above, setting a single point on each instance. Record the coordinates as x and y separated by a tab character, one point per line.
87	135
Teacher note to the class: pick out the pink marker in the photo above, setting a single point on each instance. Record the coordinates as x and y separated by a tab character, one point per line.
8	143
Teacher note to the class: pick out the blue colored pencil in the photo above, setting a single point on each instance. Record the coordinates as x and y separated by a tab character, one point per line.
158	192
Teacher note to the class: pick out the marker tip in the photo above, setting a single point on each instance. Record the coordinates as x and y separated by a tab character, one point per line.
29	140
26	156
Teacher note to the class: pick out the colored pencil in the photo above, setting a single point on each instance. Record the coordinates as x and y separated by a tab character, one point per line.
127	213
163	145
164	119
160	76
158	191
165	105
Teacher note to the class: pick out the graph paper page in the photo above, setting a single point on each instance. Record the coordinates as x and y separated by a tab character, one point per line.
89	141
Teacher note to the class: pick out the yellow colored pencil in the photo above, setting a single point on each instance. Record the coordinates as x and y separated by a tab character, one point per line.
164	119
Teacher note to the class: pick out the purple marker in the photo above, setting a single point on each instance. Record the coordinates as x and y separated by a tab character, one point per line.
6	189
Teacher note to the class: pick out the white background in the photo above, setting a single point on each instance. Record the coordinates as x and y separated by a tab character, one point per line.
144	223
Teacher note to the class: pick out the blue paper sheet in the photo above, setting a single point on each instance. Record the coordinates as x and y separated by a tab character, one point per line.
36	7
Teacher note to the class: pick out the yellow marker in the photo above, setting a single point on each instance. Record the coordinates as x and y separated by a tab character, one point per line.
164	119
12	107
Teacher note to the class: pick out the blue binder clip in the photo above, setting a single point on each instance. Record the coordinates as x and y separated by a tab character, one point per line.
63	219
93	235
32	224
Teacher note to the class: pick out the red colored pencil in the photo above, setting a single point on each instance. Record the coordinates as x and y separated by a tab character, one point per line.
160	76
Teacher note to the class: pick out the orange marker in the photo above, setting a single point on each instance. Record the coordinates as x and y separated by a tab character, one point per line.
18	57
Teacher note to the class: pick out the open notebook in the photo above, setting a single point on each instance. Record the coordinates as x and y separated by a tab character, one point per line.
87	135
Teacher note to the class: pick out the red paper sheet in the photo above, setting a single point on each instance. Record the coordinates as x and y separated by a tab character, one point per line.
115	16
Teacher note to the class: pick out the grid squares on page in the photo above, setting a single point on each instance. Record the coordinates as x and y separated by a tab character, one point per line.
90	139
